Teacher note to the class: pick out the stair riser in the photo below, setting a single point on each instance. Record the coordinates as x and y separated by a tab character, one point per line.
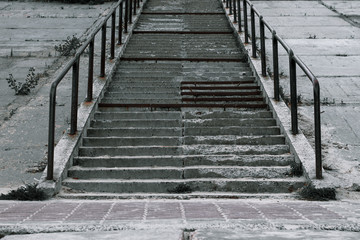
186	161
262	140
140	115
111	142
206	186
231	131
135	123
128	132
222	122
171	151
179	173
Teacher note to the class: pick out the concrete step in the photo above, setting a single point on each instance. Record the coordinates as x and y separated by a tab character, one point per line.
131	141
187	66
243	185
232	130
193	172
235	140
134	132
142	100
177	141
71	194
188	160
222	122
131	123
155	95
137	115
194	77
136	74
169	150
227	114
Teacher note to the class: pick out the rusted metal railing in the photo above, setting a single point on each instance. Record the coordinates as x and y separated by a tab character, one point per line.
125	17
294	61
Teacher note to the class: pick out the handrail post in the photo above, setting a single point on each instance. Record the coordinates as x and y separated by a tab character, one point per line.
239	15
74	96
230	7
130	11
51	133
276	66
120	24
246	28
317	129
103	49
227	3
89	96
262	43
235	13
112	48
126	19
293	93
253	34
134	7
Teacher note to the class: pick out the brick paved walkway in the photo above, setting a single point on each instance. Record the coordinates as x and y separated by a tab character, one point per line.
130	214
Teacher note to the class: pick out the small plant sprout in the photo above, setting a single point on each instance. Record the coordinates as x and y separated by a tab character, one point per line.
69	47
23	88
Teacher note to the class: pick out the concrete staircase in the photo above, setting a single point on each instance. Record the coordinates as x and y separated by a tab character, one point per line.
182	117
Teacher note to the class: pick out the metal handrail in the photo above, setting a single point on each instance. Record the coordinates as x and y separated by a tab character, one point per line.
125	15
294	61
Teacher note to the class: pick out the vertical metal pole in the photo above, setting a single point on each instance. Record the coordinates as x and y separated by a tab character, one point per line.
120	24
130	11
246	23
103	49
239	15
90	72
235	13
253	34
138	3
51	134
126	15
134	7
276	66
74	96
112	48
293	93
317	129
230	7
262	43
227	3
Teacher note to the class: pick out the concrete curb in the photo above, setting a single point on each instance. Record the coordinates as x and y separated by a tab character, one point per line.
299	145
68	145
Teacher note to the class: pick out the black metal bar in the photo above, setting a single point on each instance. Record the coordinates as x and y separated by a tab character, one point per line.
112	44
103	51
318	157
120	30
51	133
126	15
134	7
138	3
262	43
246	22
230	7
89	96
293	93
130	11
253	34
239	15
227	3
74	97
235	13
276	66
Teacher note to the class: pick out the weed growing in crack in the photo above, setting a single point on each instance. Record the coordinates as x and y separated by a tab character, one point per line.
296	169
23	88
69	47
312	194
28	192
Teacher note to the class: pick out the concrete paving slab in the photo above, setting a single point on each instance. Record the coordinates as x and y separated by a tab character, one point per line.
154	234
212	234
